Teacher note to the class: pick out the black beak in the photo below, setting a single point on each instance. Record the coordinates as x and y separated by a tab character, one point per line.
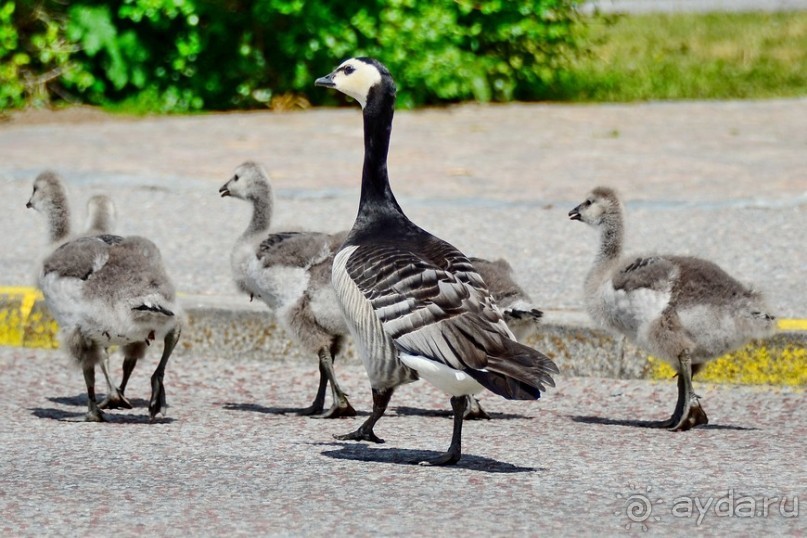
224	191
574	214
326	81
29	205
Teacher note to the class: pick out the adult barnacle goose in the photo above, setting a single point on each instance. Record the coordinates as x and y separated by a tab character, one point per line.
414	303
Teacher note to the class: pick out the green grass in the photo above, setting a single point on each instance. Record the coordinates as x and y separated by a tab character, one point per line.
690	56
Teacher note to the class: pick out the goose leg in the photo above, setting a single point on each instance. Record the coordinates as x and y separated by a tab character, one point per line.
341	407
157	402
94	414
688	411
458	404
474	411
365	432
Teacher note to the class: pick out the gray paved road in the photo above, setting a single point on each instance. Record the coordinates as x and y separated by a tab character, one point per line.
721	180
226	461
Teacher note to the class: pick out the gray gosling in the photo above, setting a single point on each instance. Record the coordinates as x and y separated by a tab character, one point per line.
49	197
105	290
291	273
681	309
521	316
101	215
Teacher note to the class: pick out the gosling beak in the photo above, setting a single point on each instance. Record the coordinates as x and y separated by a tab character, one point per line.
224	191
574	214
29	205
326	81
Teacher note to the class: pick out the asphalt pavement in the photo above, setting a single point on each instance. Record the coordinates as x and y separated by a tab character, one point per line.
724	180
231	459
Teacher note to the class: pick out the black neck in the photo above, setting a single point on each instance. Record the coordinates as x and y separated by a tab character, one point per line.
376	194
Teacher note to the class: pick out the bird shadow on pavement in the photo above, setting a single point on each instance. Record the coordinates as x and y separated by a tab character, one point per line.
403	456
447	413
80	400
653	424
258	408
61	415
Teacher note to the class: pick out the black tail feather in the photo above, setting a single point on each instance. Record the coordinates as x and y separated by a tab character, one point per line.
154	308
521	373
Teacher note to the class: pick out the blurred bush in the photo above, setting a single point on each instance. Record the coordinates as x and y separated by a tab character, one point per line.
183	55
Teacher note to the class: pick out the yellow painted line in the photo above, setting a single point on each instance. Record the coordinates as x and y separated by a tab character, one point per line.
24	321
755	364
793	324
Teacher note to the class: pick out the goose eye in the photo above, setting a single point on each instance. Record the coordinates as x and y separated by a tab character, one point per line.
349	69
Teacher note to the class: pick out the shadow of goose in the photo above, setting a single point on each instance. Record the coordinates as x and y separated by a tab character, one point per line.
653	424
61	415
257	408
446	413
80	400
402	456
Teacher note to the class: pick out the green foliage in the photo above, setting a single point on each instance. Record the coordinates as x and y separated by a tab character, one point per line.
181	55
34	56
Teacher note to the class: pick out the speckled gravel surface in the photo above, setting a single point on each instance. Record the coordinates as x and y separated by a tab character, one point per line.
724	180
228	461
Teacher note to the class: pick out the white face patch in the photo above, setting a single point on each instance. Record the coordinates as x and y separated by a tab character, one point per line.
355	78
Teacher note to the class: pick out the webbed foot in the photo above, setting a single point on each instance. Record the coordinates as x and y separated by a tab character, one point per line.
115	400
474	410
362	434
157	403
338	410
449	458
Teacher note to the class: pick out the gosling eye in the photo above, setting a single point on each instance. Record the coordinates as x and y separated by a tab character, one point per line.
587	203
235	177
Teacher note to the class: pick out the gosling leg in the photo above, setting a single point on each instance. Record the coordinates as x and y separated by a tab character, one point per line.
340	407
688	412
157	403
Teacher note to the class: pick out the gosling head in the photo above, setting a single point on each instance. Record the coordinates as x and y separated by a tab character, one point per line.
363	79
601	206
48	193
249	181
101	214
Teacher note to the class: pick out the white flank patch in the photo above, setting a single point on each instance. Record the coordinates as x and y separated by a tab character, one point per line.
375	348
278	287
445	378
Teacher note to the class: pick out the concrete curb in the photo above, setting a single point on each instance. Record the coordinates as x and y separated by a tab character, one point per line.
232	327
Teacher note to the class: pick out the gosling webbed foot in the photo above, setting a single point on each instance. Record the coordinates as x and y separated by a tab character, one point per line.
94	414
157	403
695	416
338	410
314	409
115	400
362	434
474	410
